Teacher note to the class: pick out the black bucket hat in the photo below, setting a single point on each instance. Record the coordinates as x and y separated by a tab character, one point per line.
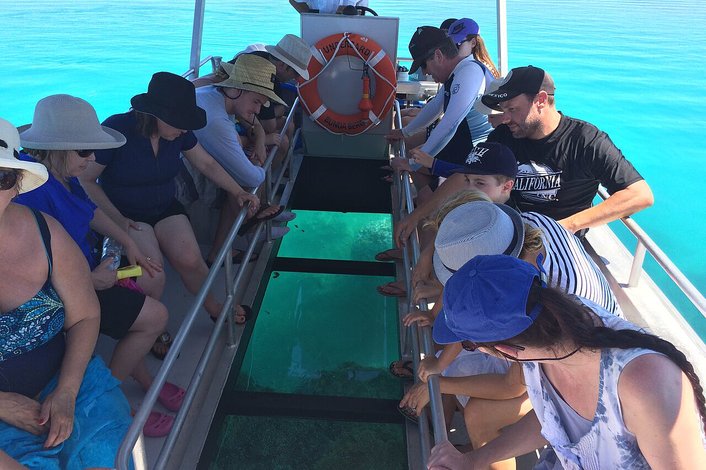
172	99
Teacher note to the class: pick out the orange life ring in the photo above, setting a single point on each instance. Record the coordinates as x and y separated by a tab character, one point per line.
379	64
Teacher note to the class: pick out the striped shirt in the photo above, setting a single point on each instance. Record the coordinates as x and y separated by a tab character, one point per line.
568	265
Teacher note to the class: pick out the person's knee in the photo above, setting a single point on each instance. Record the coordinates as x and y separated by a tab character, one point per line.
157	314
189	260
481	427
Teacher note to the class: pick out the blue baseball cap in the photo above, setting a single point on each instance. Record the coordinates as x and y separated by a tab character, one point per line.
486	301
460	29
490	158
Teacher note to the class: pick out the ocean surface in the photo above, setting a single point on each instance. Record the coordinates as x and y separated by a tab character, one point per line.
633	68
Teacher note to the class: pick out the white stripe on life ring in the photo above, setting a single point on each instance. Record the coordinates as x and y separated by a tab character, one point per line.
317	114
373	118
316	54
377	58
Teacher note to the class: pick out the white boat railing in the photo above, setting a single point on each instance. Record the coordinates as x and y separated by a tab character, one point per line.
232	285
645	245
422	344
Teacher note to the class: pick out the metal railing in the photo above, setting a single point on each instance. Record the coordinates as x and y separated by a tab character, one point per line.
421	341
193	72
232	284
645	244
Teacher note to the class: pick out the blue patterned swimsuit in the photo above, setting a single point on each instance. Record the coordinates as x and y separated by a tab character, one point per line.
31	338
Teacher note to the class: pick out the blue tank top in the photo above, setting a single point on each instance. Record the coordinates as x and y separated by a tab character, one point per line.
32	342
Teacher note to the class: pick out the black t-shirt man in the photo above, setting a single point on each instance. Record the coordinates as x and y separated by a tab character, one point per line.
559	175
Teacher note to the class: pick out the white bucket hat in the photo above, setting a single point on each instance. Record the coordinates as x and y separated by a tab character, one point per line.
33	174
476	228
293	51
492	87
64	122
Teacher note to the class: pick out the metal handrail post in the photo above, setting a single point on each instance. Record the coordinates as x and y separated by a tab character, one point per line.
422	342
674	273
637	262
197	36
503	60
122	460
437	411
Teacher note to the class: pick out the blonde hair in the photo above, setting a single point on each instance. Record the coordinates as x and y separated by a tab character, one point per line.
480	53
533	241
56	161
451	203
533	236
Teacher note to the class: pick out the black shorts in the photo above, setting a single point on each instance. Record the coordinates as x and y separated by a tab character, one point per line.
175	208
119	310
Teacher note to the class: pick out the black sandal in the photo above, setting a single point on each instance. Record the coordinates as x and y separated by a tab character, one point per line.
161	346
405	366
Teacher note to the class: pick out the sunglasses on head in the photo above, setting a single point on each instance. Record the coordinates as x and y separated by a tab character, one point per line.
8	178
84	153
471	346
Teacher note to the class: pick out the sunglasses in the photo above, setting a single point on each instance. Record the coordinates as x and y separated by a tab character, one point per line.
471	346
423	63
84	153
8	178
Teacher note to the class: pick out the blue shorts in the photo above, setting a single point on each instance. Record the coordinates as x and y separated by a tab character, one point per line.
101	419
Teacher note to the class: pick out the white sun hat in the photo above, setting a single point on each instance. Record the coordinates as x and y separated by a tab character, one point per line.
33	174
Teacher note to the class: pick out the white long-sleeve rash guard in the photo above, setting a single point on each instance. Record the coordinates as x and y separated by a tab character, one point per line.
468	83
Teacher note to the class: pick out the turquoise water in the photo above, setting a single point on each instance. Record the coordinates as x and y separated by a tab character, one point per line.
634	68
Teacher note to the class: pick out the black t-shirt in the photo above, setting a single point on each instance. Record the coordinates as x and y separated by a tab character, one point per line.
559	175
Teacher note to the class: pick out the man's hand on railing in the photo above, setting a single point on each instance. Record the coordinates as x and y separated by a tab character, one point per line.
445	456
400	164
416	315
416	398
428	366
403	229
428	291
421	157
243	197
273	139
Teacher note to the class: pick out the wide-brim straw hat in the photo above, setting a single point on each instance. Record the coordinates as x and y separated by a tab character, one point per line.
64	122
172	99
293	51
33	174
251	73
476	228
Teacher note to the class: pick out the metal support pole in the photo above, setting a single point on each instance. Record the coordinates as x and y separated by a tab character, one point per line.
197	37
503	62
637	262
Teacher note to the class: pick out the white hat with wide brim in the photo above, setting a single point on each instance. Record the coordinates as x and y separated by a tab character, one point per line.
65	122
476	228
33	174
293	51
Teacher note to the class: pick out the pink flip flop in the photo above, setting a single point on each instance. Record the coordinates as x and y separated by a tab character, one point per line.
171	396
158	425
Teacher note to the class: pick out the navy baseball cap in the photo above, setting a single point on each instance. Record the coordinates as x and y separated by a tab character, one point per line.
486	301
425	40
490	158
460	29
518	81
446	23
